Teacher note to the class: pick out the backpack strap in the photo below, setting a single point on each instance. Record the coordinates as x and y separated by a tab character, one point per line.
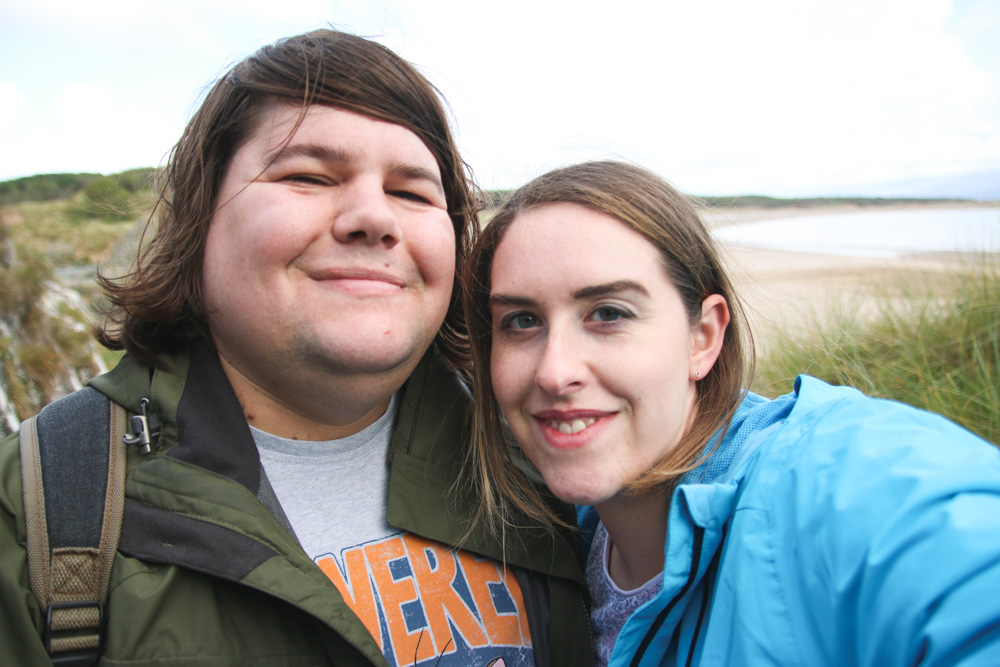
73	478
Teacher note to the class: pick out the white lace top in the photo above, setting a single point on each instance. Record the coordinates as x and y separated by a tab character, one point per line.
612	606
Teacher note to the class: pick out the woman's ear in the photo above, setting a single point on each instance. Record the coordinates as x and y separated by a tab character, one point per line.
707	336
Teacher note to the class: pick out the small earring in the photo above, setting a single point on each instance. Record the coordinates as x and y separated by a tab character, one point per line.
697	374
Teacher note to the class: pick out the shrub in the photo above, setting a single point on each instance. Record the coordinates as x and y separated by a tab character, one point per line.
937	349
43	187
45	348
104	198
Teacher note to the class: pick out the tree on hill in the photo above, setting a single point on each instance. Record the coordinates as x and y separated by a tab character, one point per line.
43	187
51	187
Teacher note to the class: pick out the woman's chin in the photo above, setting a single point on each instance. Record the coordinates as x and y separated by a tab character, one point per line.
578	495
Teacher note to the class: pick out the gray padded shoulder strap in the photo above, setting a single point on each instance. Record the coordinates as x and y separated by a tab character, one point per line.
73	477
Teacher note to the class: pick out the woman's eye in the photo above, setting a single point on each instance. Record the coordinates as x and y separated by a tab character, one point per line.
519	321
610	314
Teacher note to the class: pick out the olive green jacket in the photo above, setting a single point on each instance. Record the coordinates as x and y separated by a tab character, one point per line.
206	575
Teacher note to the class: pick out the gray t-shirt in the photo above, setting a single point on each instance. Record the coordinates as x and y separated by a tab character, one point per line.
422	601
333	492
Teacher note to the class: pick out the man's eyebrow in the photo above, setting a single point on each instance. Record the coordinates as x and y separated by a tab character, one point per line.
581	294
338	156
329	154
416	172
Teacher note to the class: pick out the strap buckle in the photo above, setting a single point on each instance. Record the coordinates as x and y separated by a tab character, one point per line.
145	427
77	654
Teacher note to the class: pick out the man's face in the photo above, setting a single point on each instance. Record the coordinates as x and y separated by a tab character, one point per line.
330	250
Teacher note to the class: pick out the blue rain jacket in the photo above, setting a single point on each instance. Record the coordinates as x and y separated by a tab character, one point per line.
828	528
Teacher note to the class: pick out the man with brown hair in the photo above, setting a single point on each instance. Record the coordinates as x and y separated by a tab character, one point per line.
291	331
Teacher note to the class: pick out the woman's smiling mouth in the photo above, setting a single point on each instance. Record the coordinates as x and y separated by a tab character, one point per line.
569	422
570	427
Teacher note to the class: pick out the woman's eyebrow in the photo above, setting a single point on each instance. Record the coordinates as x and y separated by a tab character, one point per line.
610	288
583	293
511	300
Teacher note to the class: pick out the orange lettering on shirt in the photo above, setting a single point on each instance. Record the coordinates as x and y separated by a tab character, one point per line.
514	589
356	589
394	593
504	629
441	601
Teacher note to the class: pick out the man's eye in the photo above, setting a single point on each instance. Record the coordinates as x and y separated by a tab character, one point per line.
411	196
306	179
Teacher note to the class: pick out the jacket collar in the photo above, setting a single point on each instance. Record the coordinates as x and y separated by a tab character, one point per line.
201	420
700	510
203	426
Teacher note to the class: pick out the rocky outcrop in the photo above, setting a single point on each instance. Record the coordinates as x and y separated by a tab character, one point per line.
46	349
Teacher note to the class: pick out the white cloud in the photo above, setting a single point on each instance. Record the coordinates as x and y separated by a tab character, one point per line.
104	14
105	132
11	103
717	95
90	128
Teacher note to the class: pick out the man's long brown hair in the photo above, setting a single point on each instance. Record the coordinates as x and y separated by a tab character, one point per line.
159	304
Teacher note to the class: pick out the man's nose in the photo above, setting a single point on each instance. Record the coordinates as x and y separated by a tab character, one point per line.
365	215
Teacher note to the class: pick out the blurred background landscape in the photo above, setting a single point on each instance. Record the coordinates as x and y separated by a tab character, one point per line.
822	139
922	327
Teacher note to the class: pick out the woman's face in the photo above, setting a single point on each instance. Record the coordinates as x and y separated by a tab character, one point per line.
594	360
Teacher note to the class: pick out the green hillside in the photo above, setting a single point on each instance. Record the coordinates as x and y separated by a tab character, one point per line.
56	228
74	219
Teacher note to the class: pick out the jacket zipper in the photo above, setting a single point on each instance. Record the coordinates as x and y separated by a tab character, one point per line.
711	574
699	535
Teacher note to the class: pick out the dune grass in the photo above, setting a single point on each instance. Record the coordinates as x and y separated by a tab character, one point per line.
934	344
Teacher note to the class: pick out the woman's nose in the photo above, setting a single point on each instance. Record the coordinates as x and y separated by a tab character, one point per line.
561	369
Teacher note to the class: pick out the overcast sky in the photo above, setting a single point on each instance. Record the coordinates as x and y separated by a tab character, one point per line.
777	97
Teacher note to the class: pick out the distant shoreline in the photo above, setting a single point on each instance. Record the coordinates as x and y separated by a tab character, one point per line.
784	292
721	216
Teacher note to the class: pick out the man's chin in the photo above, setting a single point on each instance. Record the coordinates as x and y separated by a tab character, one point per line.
369	356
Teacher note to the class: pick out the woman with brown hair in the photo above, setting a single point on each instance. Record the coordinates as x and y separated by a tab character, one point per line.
719	527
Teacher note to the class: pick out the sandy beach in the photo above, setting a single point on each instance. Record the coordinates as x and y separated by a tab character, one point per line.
784	292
